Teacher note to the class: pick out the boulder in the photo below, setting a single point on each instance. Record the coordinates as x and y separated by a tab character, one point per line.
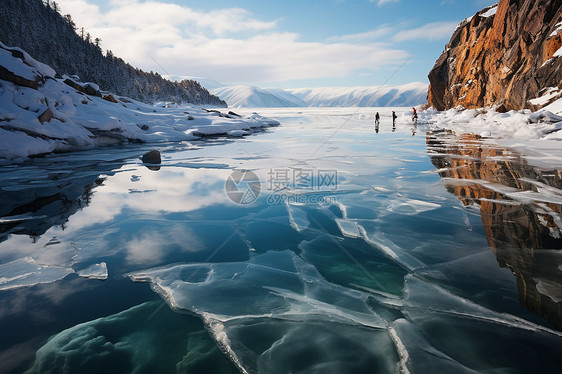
152	157
110	98
92	90
7	75
33	79
503	56
74	85
46	116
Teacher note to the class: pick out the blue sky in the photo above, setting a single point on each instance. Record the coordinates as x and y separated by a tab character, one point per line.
285	44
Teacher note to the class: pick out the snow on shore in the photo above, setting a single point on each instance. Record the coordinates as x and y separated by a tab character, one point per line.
58	117
538	134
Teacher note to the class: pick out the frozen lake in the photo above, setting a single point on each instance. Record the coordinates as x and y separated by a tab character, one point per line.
320	246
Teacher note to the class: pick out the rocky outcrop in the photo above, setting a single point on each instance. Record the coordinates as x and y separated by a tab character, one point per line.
110	98
152	157
87	88
31	78
46	116
506	55
7	75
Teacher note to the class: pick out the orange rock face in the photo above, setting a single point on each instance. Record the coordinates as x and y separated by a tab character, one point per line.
506	58
524	237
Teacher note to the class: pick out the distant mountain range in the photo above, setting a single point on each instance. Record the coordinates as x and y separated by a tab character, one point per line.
254	97
374	96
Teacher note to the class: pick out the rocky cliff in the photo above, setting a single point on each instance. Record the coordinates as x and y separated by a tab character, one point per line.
506	56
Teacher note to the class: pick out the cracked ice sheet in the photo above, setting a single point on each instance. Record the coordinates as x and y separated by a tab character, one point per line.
146	338
443	332
277	290
446	333
26	272
95	271
422	298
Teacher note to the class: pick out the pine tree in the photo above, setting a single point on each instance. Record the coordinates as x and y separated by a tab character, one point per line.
68	19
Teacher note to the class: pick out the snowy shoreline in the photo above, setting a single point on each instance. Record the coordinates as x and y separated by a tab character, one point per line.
41	113
538	135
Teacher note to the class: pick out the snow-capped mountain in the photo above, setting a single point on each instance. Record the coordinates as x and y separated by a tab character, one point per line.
254	97
374	96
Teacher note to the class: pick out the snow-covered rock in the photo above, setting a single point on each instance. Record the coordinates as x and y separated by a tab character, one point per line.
516	125
538	133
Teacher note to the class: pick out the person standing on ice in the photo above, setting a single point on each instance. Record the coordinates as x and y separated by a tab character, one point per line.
394	116
414	115
377	119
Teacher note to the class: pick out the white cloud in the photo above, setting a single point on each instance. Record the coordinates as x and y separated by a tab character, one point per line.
430	31
382	2
399	33
229	45
367	36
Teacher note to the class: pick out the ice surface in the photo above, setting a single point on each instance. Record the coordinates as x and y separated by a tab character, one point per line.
418	355
392	250
306	346
297	216
411	206
275	284
348	228
275	289
26	272
550	289
147	338
389	275
96	271
424	297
